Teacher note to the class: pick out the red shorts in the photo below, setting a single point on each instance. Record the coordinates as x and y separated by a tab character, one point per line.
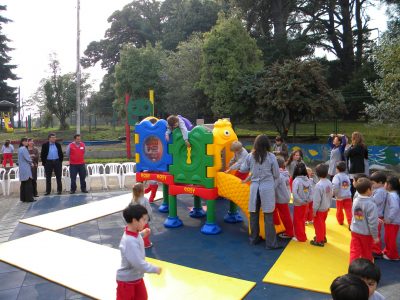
131	290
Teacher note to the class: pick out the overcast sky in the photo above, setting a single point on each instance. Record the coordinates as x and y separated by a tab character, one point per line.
41	27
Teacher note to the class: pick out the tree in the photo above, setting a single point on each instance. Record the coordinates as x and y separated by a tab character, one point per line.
101	102
60	93
138	71
183	17
180	77
229	54
386	90
293	91
6	69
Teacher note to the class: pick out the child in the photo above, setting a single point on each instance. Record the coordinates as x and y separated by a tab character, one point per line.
355	179
391	218
302	190
264	171
139	198
379	196
240	154
364	224
175	122
152	189
294	158
7	150
342	193
349	287
322	197
309	216
133	264
282	196
337	143
369	273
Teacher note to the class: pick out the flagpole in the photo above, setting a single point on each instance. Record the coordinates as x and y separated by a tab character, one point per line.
78	71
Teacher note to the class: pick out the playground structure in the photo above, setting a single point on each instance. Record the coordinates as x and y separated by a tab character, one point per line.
195	170
7	122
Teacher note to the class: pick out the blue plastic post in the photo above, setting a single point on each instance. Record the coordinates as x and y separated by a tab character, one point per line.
173	220
233	215
197	211
164	206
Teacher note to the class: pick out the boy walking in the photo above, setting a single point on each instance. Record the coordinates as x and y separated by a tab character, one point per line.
133	264
342	193
364	224
322	198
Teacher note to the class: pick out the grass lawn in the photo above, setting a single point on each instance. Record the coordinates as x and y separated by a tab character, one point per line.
374	134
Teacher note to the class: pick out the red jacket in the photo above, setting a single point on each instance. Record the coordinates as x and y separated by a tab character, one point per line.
76	154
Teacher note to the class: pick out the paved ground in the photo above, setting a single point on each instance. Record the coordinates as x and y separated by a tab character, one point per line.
227	254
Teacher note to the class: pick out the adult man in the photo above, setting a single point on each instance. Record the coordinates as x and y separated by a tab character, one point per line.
76	153
280	148
52	158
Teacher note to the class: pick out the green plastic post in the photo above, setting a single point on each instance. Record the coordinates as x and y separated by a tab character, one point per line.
165	194
173	213
211	212
197	202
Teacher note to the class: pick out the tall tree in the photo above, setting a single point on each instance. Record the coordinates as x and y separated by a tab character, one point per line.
293	91
101	102
60	93
137	72
229	54
180	77
386	90
6	69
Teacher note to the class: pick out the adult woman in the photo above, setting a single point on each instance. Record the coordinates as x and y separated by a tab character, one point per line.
25	172
356	155
264	170
337	143
34	154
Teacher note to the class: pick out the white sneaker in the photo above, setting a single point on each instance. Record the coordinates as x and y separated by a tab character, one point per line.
295	239
387	258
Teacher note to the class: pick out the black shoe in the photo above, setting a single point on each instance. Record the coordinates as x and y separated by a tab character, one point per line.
274	248
59	193
85	191
256	241
32	200
318	244
377	255
36	195
47	193
72	192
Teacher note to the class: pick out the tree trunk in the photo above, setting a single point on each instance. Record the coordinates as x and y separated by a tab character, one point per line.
360	34
347	40
63	123
279	16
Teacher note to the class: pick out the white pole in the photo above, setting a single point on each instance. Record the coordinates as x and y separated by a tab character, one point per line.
78	73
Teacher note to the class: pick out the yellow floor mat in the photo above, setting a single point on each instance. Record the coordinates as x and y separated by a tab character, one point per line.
79	214
313	268
89	269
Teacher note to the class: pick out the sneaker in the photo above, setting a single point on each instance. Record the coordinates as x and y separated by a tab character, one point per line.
318	244
294	239
148	246
72	192
256	241
284	236
387	258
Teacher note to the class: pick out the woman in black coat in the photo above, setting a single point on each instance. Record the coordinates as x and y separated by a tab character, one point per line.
356	155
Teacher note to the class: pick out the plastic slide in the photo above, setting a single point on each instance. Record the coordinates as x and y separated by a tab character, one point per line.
232	188
7	124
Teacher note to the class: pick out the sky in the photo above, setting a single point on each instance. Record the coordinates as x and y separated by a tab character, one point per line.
42	27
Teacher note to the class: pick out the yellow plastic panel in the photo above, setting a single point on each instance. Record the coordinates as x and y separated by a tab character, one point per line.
71	262
314	268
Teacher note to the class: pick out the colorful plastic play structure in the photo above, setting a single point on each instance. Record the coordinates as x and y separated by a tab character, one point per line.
195	170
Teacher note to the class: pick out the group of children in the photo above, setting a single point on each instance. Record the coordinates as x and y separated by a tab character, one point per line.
376	202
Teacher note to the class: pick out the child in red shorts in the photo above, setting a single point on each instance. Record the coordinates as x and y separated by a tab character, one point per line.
133	264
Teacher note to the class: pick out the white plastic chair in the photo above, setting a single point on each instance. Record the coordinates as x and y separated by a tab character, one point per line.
64	179
96	171
41	175
114	170
3	180
128	169
14	171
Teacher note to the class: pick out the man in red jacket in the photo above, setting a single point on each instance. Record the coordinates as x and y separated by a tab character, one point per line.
76	153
